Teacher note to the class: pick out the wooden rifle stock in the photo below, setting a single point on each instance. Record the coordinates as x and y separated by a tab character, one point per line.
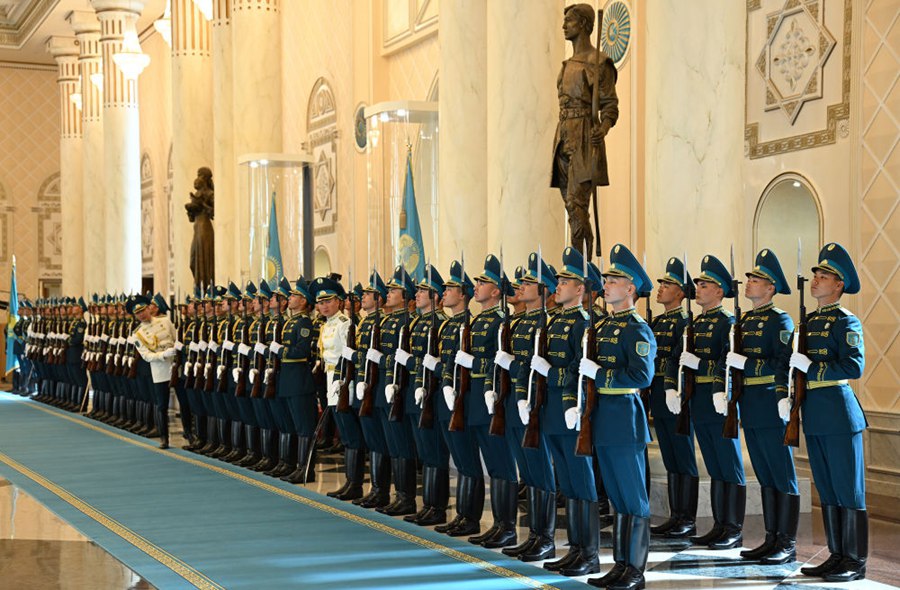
730	428
458	418
584	444
504	385
348	368
243	361
683	426
368	400
225	359
792	431
432	382
275	361
259	361
401	376
531	439
175	375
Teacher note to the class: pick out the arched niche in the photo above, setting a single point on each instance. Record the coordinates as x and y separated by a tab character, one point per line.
789	210
321	261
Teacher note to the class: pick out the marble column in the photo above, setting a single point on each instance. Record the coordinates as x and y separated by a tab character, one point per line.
87	31
694	138
462	148
65	52
521	122
121	149
192	120
224	161
256	83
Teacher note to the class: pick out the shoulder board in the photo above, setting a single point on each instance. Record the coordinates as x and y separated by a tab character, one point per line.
845	311
778	311
637	317
727	313
585	314
343	318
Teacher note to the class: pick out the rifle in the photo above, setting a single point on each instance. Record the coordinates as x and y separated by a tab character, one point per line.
135	356
736	376
273	363
203	355
224	356
533	428
175	375
433	382
243	360
463	380
584	444
645	393
798	382
193	356
371	371
401	374
686	377
259	361
209	369
348	368
595	116
113	349
501	375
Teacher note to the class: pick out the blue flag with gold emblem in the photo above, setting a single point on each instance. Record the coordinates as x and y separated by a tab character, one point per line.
12	363
274	268
412	251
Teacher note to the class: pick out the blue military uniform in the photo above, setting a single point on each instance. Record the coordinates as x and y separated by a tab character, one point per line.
625	352
722	456
677	451
260	336
535	464
766	349
833	423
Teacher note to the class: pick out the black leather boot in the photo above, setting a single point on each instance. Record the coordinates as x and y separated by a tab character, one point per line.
770	522
855	547
380	472
638	550
785	548
544	546
673	490
460	509
532	496
134	419
427	496
717	499
374	457
200	435
224	447
162	421
267	454
152	430
405	486
212	437
509	508
831	518
573	534
285	453
252	434
346	484
735	505
622	526
355	465
304	472
473	492
440	498
238	444
689	488
495	498
395	477
588	561
187	423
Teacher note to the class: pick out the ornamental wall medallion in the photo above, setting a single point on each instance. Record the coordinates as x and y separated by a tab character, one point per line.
321	125
615	32
793	58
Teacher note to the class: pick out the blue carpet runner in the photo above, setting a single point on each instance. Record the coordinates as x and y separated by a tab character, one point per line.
184	521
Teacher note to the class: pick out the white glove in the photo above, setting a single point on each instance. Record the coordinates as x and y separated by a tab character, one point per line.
800	361
689	360
179	346
169	353
420	396
129	340
198	366
673	401
275	347
449	397
588	368
524	410
504	359
236	374
335	386
228	345
203	345
187	369
334	392
220	370
540	364
152	356
347	353
251	376
118	356
490	398
374	356
268	375
402	356
733	359
430	362
360	390
130	361
389	391
244	349
213	346
464	359
784	408
194	347
720	402
572	416
260	348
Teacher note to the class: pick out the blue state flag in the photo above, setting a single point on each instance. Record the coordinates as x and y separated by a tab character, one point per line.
411	249
274	268
12	363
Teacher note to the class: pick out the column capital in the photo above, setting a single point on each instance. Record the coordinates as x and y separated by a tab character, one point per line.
84	21
61	47
107	8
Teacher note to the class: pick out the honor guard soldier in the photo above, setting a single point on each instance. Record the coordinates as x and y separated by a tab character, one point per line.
259	337
246	359
205	329
429	440
764	408
155	342
333	339
709	406
142	383
535	464
395	330
77	374
833	419
498	458
624	365
374	294
235	355
276	399
224	392
192	332
677	451
458	290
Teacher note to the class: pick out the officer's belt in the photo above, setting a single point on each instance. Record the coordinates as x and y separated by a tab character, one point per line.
765	380
330	367
478	375
616	390
574	113
821	384
294	360
705	379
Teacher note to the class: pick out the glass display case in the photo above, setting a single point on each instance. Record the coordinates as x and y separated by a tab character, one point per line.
279	183
395	130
